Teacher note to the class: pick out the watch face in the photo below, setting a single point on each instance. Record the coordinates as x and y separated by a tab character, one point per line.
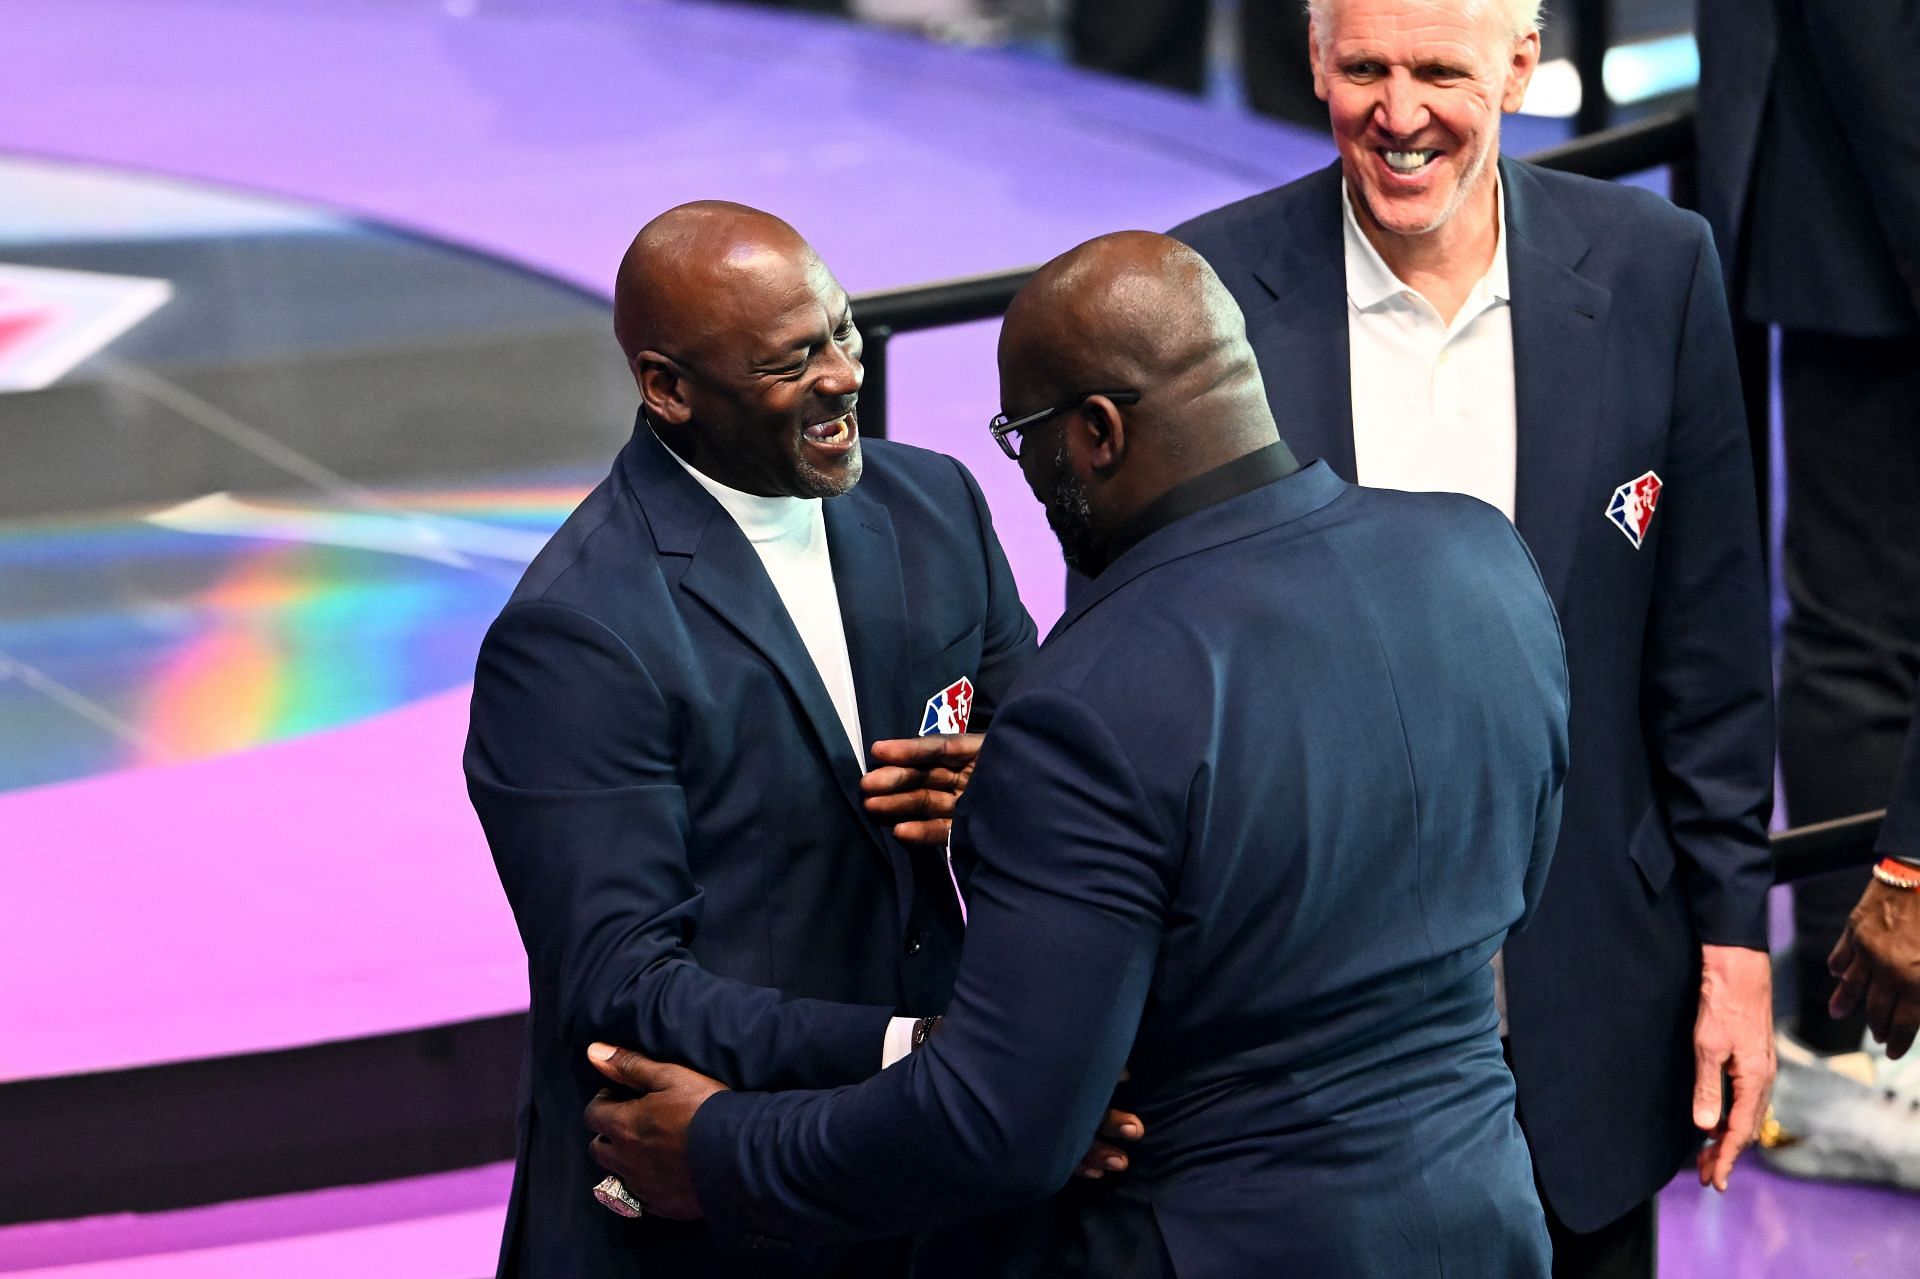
269	470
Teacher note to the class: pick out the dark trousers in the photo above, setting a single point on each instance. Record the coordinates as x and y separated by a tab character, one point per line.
1852	646
1623	1249
1164	42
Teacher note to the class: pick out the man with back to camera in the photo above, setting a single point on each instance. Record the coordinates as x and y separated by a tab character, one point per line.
1253	824
1434	316
668	716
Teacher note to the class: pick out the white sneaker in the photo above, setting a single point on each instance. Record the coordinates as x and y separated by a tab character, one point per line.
1850	1117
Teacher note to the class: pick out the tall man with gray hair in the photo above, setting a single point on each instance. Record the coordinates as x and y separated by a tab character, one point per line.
1433	316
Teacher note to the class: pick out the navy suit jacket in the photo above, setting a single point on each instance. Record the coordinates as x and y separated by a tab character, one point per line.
1809	164
1253	824
1900	833
1623	364
673	808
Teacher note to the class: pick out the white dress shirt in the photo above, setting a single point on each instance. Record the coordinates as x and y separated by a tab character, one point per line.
1433	406
789	534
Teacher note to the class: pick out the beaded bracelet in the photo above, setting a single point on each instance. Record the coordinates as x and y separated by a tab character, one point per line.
1897	874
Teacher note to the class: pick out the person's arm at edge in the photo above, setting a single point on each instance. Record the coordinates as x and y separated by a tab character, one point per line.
1707	662
589	830
1865	53
1900	832
1708	692
997	1108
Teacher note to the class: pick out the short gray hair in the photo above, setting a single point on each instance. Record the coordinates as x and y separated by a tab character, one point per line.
1524	15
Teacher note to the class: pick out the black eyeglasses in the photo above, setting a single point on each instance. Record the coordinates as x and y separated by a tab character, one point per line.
1002	426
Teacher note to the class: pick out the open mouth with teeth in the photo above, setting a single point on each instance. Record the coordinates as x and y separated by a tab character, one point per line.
1409	162
836	436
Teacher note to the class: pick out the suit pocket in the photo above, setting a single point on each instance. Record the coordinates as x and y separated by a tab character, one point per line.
962	657
1652	850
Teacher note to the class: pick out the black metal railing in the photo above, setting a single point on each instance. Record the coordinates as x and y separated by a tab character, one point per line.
1660	141
1845	843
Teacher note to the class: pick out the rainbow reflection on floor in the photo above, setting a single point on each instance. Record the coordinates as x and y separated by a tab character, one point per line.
218	625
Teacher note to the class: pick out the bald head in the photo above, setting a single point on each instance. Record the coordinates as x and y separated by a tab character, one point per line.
1138	313
743	346
692	257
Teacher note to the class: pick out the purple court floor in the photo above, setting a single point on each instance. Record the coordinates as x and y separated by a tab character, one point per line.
543	133
448	1227
333	883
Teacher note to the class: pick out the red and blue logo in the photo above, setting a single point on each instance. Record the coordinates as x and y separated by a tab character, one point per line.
1631	509
949	709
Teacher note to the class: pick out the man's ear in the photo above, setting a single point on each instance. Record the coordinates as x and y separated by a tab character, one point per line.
663	388
1313	60
1103	433
1526	57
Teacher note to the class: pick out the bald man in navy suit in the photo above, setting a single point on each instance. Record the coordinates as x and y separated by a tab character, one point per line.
671	720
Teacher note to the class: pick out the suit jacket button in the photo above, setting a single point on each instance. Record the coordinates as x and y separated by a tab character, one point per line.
913	943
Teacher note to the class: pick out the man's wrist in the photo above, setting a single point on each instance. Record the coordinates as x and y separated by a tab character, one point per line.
1896	872
899	1041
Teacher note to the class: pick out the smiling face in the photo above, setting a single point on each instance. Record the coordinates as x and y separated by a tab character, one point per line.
1415	90
771	390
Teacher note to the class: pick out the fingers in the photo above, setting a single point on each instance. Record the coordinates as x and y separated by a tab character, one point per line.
932	834
1707	1099
600	1114
602	1151
1100	1160
1743	1123
1703	1162
1852	985
893	780
1882	996
1842	957
625	1066
919	804
1901	1029
1892	1015
952	750
1119	1125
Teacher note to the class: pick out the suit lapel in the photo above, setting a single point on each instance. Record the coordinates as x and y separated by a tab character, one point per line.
873	611
1300	335
1559	324
726	575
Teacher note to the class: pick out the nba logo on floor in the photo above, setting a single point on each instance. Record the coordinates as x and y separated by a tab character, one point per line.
949	709
1631	509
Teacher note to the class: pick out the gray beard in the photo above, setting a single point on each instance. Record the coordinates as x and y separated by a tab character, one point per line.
815	482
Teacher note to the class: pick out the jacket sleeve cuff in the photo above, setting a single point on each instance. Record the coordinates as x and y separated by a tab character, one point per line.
850	1047
713	1143
1732	914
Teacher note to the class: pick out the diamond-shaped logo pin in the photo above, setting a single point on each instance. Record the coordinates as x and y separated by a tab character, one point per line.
1631	508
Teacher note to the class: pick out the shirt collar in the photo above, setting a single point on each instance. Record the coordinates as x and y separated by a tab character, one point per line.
1210	488
762	519
1370	281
